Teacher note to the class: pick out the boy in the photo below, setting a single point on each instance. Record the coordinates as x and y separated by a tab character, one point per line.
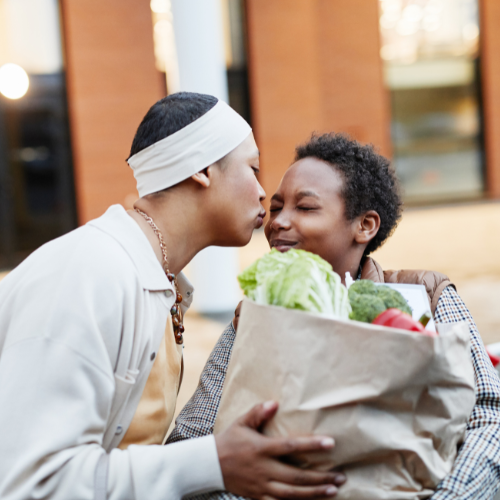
341	201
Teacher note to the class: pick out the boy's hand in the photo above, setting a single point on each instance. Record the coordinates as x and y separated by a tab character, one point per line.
251	467
237	315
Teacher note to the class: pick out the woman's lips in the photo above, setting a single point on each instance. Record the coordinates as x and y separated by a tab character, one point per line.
260	219
283	245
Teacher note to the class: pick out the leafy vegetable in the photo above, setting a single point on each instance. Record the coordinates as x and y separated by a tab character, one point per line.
296	280
369	300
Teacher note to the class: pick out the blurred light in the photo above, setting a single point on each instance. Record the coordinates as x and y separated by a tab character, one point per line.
413	13
29	155
470	31
14	81
161	27
406	27
434	7
388	52
391	6
389	20
164	43
161	33
431	23
160	6
407	51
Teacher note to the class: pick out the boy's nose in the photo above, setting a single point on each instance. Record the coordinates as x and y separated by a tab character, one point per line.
281	221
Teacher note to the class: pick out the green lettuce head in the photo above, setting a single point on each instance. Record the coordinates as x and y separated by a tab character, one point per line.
296	280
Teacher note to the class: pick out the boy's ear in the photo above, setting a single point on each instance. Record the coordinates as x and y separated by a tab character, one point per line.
204	177
367	227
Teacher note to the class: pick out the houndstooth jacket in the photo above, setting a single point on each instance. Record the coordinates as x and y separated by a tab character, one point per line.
476	472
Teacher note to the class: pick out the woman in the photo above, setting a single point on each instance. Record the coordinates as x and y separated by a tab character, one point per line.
84	349
341	201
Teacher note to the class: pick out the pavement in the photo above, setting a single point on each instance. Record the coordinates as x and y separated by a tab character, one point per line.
461	241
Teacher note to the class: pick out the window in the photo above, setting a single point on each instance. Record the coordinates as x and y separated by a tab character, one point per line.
430	54
236	58
36	185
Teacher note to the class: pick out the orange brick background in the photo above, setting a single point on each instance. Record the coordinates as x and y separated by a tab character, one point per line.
490	75
112	82
314	65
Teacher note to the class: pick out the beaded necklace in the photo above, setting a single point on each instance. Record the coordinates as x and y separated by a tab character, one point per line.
175	311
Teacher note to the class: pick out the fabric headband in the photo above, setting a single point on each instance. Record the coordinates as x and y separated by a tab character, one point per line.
190	150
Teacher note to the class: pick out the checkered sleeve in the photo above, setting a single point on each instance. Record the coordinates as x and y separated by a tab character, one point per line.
476	471
197	418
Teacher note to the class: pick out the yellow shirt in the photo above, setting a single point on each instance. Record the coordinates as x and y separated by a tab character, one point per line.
156	407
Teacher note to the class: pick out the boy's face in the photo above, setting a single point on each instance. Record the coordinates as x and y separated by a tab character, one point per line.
307	213
236	208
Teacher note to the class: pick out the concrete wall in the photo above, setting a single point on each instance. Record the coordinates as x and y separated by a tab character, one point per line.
112	81
490	74
314	66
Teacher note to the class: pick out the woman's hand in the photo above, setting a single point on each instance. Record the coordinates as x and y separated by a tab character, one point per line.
251	467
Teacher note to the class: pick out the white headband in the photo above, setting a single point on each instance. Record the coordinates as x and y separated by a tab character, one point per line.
190	150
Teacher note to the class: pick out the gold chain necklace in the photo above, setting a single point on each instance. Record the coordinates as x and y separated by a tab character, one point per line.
176	311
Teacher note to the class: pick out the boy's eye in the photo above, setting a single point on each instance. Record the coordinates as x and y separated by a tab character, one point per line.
306	209
275	209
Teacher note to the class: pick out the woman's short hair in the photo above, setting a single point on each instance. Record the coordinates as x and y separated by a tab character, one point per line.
169	115
370	183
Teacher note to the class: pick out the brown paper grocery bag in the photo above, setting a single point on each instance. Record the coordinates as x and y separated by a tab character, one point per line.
396	402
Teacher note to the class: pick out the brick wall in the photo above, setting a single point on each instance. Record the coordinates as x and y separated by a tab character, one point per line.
490	75
112	81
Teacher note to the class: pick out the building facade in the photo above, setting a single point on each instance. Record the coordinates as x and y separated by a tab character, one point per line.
419	79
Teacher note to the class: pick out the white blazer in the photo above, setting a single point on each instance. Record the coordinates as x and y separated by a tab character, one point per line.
80	322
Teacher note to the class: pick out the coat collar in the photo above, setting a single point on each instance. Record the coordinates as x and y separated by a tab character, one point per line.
120	226
371	270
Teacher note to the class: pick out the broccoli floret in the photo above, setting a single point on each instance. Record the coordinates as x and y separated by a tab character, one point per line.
393	299
369	300
365	307
364	287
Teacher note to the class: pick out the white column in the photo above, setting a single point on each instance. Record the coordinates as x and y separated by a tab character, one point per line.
199	38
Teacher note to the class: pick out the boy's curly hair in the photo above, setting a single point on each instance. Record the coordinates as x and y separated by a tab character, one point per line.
370	183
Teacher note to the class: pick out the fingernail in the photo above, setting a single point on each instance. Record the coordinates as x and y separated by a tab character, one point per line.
330	491
268	405
327	442
341	478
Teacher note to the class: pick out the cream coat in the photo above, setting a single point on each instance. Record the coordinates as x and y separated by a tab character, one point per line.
80	320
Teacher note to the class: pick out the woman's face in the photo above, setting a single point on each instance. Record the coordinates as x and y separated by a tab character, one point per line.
308	213
237	196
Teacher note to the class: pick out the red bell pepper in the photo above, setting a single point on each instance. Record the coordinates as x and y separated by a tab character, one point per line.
495	360
395	318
